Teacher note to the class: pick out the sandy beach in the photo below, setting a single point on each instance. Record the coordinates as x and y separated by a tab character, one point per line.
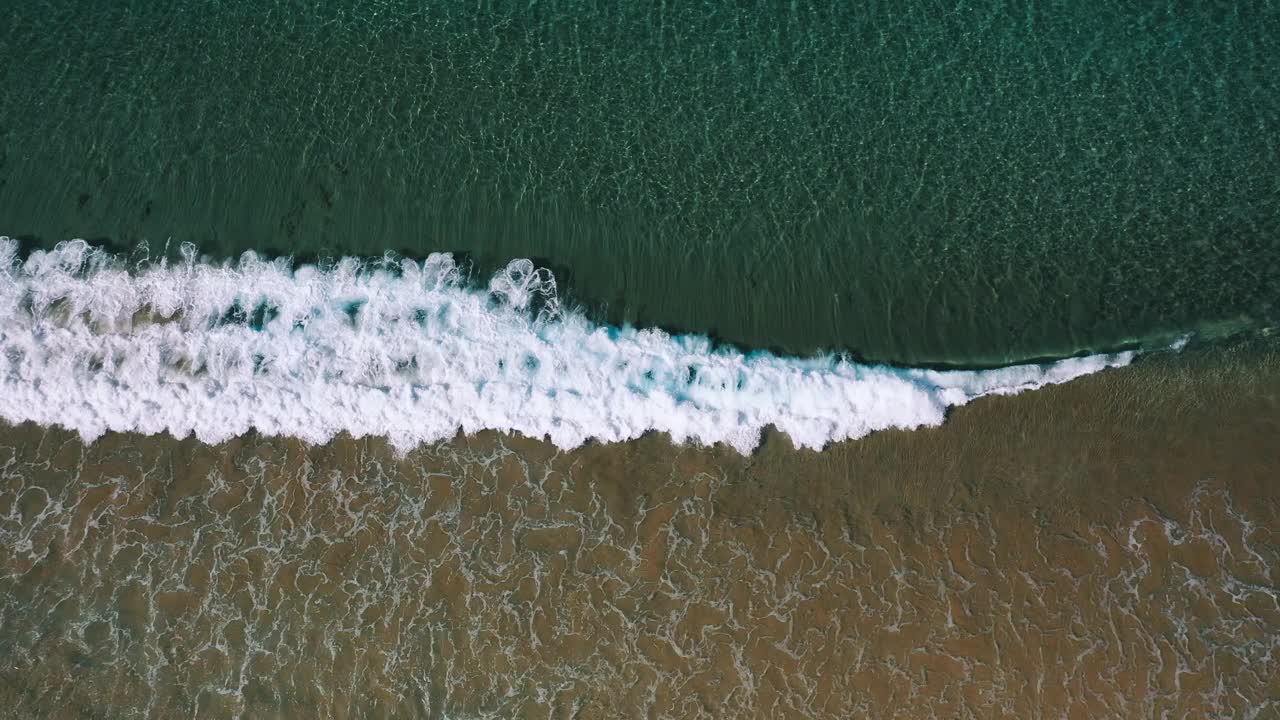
1106	548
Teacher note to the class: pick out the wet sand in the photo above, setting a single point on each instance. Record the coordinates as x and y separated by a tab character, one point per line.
1107	548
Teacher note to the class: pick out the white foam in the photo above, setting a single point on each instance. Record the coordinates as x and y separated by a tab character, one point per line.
407	351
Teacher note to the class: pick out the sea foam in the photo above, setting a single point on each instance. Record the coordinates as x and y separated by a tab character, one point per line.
409	351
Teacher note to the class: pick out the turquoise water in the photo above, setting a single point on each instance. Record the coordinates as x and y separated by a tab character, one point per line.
962	183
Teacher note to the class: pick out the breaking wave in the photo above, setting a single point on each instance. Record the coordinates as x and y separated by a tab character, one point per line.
409	351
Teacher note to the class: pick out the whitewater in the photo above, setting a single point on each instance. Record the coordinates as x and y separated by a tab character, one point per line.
413	352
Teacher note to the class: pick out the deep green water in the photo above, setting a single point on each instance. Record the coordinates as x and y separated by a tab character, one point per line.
918	182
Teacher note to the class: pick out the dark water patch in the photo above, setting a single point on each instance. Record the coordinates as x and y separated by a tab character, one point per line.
915	185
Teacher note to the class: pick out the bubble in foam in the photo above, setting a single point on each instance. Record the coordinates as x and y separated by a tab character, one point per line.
408	351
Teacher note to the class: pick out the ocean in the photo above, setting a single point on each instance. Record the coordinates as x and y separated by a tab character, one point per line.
576	359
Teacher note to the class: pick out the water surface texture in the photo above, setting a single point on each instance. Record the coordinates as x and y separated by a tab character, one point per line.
1089	550
639	359
921	182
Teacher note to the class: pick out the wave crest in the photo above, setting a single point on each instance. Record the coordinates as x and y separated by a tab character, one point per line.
407	351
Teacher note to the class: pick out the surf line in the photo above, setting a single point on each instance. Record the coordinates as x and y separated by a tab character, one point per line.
409	351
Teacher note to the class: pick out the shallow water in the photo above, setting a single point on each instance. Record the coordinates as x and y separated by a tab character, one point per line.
914	182
1106	548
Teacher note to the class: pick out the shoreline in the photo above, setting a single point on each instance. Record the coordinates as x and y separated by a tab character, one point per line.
1105	547
1206	389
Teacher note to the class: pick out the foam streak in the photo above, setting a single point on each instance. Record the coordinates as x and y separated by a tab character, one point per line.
407	351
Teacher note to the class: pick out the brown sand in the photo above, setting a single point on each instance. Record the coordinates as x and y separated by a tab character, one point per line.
1108	548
